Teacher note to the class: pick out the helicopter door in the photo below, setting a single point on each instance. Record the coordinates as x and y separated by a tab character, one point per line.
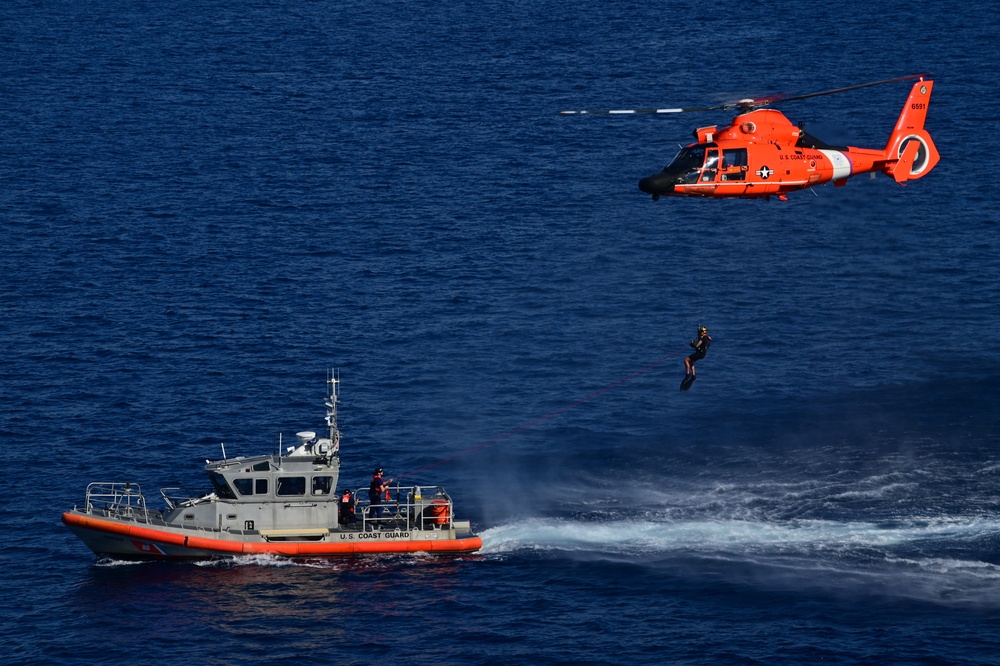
711	169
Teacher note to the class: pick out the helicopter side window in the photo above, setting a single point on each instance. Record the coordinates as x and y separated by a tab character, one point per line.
711	167
734	164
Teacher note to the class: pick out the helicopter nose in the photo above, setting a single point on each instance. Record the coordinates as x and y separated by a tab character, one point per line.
657	184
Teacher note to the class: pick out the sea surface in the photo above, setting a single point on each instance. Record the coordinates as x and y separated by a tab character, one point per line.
205	206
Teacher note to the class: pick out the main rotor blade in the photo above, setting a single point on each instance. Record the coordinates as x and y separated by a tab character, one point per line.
770	99
633	111
745	105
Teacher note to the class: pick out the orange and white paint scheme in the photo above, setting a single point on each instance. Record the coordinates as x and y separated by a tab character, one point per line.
763	154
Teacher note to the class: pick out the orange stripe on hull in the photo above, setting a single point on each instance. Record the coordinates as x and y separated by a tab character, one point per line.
285	548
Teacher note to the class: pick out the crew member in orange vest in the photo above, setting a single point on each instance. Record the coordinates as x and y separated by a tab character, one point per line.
347	503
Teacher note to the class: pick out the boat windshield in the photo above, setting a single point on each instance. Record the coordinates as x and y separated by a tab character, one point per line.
222	488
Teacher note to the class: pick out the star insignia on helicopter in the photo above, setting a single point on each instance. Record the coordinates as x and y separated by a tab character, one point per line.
764	172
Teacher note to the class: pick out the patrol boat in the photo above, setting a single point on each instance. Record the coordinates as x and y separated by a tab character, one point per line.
279	504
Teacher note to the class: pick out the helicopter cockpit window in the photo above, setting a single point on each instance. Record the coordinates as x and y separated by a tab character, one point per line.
688	164
689	158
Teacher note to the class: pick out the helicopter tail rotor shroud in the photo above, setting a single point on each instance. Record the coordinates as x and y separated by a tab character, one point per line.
910	150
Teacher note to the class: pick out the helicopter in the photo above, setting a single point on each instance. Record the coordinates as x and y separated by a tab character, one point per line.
762	154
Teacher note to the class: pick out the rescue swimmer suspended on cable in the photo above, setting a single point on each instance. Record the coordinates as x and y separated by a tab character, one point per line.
700	344
762	153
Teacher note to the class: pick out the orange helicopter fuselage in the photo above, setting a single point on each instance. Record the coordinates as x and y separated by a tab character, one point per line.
762	154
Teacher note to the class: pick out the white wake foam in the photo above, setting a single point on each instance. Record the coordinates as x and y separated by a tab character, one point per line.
642	537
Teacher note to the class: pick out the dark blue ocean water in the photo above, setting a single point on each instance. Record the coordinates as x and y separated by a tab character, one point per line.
204	206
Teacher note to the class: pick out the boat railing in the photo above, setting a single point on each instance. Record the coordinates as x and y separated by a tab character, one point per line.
121	500
408	508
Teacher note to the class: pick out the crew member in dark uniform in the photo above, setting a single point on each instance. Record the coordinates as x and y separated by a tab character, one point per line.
701	345
377	488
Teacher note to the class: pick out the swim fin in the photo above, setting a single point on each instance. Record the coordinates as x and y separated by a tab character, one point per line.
688	380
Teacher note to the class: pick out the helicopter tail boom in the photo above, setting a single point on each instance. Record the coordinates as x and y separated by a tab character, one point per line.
910	152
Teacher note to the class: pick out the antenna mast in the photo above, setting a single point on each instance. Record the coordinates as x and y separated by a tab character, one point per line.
333	379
